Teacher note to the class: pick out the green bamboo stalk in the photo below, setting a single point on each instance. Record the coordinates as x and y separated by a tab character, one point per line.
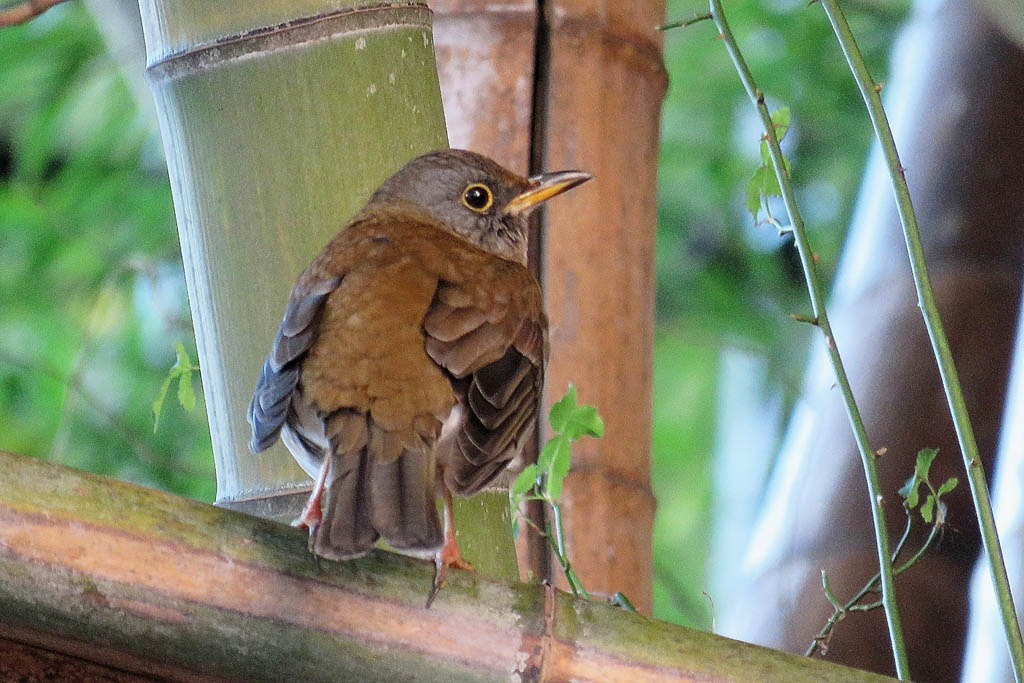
817	296
870	91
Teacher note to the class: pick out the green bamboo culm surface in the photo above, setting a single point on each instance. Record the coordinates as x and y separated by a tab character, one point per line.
279	118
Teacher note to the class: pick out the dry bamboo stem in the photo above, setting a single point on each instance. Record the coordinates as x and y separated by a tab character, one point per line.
155	584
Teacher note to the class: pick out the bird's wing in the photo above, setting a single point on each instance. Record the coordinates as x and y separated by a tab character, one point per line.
280	376
493	341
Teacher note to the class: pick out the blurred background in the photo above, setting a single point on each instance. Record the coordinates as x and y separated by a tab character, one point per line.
92	294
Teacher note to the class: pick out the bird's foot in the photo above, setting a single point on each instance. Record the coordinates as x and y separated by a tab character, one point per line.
311	518
312	515
447	557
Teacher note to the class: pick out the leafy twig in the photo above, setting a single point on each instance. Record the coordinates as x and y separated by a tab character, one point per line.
926	301
932	512
182	371
132	437
542	481
820	315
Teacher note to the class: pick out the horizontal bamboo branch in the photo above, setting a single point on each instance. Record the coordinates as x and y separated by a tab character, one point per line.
152	583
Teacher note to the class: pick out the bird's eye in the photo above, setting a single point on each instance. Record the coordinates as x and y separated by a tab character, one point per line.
477	197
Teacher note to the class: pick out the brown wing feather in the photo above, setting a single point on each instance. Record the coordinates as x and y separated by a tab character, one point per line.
495	343
280	375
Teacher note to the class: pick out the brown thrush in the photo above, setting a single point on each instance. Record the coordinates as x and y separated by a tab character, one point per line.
411	356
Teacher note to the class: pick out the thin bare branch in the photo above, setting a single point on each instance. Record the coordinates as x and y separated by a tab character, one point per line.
23	11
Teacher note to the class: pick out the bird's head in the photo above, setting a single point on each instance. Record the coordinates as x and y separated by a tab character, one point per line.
474	197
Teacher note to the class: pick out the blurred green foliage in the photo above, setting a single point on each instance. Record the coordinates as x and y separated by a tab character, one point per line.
724	282
91	284
92	296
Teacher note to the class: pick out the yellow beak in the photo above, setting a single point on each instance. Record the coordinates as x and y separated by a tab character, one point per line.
543	187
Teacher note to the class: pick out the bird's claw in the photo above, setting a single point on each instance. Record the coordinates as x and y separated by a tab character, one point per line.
449	556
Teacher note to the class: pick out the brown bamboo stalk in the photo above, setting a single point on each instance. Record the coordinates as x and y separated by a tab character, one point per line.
150	583
570	83
605	83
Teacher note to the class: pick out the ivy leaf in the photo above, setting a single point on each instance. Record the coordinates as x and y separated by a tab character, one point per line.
547	454
947	486
926	509
561	411
183	368
909	492
186	396
562	457
584	420
569	418
781	119
762	184
182	371
525	481
754	186
158	402
925	456
771	180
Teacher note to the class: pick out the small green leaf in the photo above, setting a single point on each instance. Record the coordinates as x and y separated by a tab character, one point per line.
182	363
754	193
771	186
182	371
781	119
559	467
547	453
584	420
525	481
909	491
925	456
560	412
186	396
158	402
926	509
947	486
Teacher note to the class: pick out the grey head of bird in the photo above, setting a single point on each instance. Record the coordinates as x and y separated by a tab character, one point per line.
474	197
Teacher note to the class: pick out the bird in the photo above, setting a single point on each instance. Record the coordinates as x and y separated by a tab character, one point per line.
410	359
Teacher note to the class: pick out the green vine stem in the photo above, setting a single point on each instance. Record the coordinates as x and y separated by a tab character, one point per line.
815	290
926	302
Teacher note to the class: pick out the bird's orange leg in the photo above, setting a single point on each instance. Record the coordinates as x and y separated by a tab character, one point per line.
449	555
312	514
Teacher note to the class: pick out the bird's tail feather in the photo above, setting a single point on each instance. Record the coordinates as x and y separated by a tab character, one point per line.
403	506
345	529
366	498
